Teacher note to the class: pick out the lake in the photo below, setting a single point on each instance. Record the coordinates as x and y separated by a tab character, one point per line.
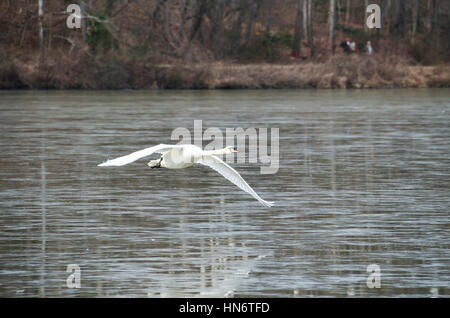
361	196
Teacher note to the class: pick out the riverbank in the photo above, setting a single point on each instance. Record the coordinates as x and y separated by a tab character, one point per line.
338	72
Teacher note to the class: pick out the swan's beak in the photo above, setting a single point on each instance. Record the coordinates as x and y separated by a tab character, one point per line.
233	150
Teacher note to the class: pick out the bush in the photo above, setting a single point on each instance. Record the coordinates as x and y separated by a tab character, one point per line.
265	46
98	36
182	77
9	75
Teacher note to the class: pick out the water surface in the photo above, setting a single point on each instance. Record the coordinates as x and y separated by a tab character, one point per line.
363	179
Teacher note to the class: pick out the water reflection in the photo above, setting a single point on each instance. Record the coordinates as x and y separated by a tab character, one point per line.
363	180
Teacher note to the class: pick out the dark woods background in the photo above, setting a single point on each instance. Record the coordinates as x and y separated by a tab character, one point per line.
222	44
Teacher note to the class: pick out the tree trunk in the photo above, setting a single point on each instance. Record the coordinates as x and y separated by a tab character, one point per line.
332	24
338	9
366	4
398	26
269	16
415	19
109	6
309	26
216	17
305	19
183	16
296	47
254	8
386	4
433	17
41	34
233	14
236	26
167	27
347	12
202	6
83	20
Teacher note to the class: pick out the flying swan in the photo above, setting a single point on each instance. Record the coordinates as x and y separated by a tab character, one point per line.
183	156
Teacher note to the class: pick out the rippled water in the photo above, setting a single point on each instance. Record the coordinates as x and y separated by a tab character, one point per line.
363	179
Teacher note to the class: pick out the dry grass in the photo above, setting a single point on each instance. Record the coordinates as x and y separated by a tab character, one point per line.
338	72
81	71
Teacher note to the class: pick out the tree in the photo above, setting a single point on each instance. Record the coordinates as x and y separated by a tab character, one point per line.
269	16
202	7
253	12
415	18
167	27
41	34
347	11
366	4
307	24
398	26
305	18
385	7
296	47
236	25
83	20
216	16
183	13
309	31
332	24
433	17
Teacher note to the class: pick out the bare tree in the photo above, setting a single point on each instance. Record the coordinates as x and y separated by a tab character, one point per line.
385	8
215	14
109	6
347	11
433	17
83	20
202	7
332	24
269	16
366	4
296	47
183	13
236	24
309	26
253	12
41	33
415	20
305	18
167	27
398	25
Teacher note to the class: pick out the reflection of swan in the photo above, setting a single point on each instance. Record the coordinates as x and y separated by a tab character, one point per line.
183	156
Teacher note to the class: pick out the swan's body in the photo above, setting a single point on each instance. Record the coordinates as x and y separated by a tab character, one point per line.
184	156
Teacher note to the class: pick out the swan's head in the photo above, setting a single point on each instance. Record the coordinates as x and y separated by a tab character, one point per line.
230	149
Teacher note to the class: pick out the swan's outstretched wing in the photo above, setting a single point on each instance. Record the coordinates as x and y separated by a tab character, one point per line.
232	175
121	161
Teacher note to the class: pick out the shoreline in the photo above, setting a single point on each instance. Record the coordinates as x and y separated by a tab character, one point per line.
339	72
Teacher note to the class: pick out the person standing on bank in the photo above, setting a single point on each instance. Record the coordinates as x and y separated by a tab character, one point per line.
369	48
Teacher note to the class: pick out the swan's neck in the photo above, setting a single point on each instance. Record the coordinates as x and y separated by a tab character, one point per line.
216	152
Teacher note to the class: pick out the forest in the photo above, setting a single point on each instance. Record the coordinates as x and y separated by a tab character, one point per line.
195	44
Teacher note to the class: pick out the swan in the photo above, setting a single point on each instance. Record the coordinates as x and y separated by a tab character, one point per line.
184	156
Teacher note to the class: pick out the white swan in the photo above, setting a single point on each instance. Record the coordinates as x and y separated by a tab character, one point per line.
183	156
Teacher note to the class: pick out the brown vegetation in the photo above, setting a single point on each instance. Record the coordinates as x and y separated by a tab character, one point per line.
340	71
223	44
